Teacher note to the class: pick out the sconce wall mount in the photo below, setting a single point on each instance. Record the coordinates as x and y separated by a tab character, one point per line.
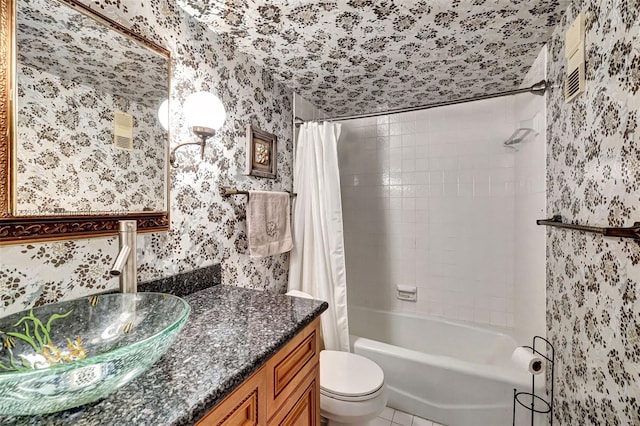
203	133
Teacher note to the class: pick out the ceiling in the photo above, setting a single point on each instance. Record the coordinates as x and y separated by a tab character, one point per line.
362	56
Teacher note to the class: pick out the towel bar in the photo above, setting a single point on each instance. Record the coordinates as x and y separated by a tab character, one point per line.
234	191
630	232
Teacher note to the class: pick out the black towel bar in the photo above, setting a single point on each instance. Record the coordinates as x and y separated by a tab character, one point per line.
630	232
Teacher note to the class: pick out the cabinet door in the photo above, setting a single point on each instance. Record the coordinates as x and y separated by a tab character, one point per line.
288	368
246	406
304	412
302	408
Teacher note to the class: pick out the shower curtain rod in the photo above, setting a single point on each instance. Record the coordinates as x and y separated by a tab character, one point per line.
537	89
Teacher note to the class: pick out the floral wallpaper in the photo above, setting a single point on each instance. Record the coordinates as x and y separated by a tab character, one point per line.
206	228
359	56
593	177
88	52
66	158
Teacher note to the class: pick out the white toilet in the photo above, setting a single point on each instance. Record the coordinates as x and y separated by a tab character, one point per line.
352	390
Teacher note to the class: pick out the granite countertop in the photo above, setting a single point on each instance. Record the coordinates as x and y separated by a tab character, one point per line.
231	332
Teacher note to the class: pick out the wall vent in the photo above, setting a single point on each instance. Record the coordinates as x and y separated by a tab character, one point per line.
574	83
123	130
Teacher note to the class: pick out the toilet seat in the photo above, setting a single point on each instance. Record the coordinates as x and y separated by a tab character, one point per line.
352	398
349	377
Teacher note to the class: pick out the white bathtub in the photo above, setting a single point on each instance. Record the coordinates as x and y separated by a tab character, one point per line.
454	373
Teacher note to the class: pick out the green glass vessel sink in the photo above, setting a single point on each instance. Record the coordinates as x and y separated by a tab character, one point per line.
67	354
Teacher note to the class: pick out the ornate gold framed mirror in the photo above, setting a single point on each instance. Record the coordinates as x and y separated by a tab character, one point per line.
82	145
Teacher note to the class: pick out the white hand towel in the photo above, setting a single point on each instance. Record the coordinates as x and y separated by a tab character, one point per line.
268	223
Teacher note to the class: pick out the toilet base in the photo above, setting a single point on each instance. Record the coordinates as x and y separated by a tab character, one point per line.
332	423
341	413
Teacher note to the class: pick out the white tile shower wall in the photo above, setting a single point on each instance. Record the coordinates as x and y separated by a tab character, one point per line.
530	204
428	201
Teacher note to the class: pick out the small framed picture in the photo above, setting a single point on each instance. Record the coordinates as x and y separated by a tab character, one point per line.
261	153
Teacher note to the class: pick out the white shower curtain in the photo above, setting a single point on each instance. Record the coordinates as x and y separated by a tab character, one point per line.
317	264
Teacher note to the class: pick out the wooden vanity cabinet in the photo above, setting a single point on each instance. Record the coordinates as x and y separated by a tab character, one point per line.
245	406
285	391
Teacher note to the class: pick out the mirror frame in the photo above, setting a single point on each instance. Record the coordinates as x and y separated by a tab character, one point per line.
21	229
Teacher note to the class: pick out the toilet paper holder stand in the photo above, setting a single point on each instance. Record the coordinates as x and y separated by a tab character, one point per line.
529	400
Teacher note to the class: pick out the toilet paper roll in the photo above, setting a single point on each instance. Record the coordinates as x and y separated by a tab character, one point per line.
525	358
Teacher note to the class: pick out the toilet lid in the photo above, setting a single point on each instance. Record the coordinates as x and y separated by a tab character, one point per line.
349	375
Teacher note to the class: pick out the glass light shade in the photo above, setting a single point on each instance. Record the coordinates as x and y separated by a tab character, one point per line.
204	109
163	114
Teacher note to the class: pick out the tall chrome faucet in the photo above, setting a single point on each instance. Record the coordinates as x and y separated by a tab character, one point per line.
125	263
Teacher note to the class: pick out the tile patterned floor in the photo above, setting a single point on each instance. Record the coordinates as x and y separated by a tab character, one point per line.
391	417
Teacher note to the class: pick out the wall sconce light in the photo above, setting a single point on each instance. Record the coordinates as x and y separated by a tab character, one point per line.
163	114
205	114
